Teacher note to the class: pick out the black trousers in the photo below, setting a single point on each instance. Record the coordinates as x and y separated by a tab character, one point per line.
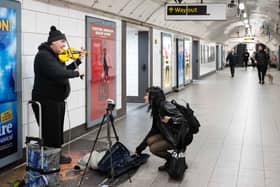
232	67
262	68
53	113
246	63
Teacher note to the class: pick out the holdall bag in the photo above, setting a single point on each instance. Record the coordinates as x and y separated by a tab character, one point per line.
122	161
177	165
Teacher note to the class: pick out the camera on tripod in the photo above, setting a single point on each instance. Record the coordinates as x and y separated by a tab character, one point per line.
110	104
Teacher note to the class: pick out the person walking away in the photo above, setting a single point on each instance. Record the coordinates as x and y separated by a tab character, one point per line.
262	62
231	59
246	58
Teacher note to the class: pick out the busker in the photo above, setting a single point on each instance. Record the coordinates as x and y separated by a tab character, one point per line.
51	88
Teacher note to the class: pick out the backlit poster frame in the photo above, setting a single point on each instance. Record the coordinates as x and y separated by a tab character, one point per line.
10	82
166	65
187	60
101	67
180	62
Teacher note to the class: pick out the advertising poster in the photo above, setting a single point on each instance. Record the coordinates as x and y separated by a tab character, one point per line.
102	65
8	96
180	62
187	51
166	62
202	53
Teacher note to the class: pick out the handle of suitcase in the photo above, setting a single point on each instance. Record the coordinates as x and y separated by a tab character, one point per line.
35	140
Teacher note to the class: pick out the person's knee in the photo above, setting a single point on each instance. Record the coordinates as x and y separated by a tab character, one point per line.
153	150
151	140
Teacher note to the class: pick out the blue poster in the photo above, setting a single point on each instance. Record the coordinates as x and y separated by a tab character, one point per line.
180	63
8	97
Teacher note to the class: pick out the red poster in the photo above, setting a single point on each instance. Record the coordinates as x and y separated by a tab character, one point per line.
103	77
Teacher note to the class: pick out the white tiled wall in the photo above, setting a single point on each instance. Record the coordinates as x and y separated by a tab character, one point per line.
156	58
37	17
210	66
132	62
30	18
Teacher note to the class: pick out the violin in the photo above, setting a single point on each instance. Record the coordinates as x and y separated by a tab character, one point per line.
70	53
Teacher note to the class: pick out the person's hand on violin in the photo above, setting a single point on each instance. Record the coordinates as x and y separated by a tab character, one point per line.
81	72
82	53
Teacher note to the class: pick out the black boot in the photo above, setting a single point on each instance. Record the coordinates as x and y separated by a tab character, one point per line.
164	167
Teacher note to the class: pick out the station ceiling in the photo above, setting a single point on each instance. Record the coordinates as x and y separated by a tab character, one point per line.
263	17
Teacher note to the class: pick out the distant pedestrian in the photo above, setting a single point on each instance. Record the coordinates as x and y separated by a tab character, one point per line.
246	56
262	62
231	59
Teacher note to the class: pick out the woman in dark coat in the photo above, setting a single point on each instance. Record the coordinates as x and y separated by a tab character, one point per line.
262	62
157	143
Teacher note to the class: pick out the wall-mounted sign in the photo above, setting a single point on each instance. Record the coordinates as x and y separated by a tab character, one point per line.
248	38
195	12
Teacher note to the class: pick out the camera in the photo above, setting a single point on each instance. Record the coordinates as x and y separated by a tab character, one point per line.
110	104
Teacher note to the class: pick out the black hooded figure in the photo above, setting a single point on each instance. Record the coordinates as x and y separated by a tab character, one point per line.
261	59
51	88
160	138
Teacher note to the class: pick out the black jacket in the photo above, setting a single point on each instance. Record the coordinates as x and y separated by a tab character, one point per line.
262	57
51	76
166	130
231	58
246	56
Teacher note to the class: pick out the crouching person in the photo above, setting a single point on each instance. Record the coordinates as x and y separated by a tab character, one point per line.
158	143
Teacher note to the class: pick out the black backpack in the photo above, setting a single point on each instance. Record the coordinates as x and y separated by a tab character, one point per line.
189	116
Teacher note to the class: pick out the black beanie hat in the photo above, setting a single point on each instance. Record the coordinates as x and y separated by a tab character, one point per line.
55	35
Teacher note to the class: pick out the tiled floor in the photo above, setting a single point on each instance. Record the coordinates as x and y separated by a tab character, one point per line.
239	140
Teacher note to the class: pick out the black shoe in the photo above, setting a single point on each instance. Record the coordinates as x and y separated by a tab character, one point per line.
262	82
186	166
65	159
163	167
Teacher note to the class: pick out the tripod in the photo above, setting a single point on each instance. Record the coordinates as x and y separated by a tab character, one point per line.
109	119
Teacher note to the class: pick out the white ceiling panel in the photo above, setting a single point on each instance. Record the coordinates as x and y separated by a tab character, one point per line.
144	10
152	12
130	7
82	2
111	5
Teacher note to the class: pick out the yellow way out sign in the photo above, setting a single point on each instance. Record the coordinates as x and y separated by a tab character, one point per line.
195	12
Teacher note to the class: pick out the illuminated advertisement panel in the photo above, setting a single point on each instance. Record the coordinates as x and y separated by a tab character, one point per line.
180	62
10	77
187	55
166	73
102	80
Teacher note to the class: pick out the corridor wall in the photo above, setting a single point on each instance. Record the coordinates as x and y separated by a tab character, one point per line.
37	17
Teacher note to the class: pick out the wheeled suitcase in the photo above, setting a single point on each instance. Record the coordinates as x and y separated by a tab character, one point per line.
42	163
